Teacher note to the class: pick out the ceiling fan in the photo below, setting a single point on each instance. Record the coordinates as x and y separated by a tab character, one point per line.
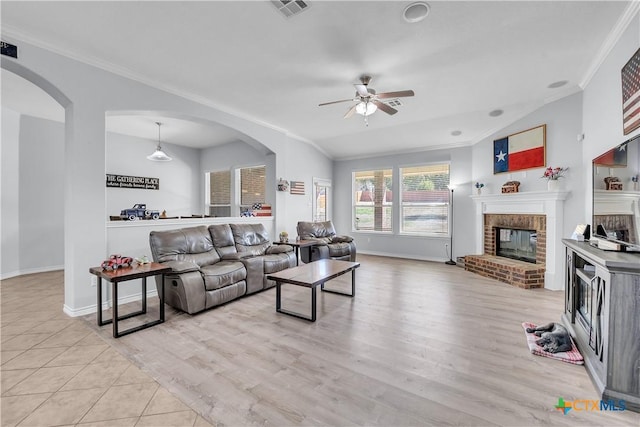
368	101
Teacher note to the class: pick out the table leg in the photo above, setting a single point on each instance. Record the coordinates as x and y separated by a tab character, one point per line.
297	248
144	295
313	303
353	286
162	300
353	283
278	296
99	305
114	305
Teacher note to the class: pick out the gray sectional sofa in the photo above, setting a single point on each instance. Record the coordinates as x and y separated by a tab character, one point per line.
216	264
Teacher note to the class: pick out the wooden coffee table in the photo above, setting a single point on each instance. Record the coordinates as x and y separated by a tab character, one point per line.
311	275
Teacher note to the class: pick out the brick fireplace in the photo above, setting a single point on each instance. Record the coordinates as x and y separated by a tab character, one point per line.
541	211
517	273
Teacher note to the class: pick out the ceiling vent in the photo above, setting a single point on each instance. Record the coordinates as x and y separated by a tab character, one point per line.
394	103
290	7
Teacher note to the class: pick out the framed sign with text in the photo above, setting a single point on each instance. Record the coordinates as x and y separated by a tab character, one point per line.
126	181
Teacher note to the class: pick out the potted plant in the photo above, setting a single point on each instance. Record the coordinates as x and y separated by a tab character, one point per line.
552	175
284	237
479	186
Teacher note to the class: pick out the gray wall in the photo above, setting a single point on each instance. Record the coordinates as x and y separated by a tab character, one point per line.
564	122
32	194
9	208
181	184
405	246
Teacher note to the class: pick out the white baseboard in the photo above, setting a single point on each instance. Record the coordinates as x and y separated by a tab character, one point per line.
24	272
91	309
394	255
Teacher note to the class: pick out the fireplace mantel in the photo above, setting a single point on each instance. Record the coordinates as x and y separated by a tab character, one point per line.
548	203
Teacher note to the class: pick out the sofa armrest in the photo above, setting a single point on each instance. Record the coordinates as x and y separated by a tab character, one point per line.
318	241
237	256
179	267
341	239
279	249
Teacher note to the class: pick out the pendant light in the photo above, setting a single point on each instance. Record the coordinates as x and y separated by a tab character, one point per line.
159	155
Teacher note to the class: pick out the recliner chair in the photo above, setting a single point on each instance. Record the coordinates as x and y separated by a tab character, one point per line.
329	245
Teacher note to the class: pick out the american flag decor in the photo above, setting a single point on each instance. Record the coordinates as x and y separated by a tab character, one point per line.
297	187
631	94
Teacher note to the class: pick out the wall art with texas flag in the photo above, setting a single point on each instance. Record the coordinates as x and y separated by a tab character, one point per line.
520	151
614	158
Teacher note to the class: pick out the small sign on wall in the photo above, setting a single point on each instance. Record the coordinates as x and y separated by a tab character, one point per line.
125	181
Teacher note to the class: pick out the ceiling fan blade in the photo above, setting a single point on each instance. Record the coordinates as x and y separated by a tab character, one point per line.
398	94
350	112
336	102
362	90
384	107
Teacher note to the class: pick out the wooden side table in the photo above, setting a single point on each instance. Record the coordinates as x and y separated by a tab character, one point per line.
115	277
297	245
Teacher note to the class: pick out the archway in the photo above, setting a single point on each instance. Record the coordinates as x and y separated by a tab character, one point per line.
32	233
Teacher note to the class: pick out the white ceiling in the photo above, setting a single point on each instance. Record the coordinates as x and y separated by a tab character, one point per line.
463	61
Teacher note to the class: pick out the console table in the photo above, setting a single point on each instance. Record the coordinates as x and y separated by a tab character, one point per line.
602	314
115	277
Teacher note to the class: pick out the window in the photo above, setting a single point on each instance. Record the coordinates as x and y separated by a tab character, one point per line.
321	199
219	193
373	200
252	186
424	200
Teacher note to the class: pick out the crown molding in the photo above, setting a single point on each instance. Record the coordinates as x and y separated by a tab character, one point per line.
614	36
12	33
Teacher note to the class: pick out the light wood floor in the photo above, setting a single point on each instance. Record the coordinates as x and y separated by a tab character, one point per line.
421	344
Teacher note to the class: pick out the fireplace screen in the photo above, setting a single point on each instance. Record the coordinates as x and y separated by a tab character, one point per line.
516	244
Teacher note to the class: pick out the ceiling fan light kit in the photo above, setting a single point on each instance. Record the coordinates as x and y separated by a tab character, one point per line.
368	100
366	108
159	155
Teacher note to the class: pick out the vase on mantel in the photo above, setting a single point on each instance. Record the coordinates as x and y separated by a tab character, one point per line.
553	185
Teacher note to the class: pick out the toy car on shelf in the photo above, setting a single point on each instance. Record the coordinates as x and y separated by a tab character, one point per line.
139	211
117	261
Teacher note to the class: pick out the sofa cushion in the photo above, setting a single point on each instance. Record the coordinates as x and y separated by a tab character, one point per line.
222	239
223	273
252	238
191	244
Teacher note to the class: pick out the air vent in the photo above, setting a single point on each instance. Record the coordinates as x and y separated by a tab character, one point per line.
394	103
290	7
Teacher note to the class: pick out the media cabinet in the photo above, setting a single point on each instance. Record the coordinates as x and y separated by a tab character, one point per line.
602	314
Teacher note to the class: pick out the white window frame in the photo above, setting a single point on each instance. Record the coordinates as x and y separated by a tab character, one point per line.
354	206
401	204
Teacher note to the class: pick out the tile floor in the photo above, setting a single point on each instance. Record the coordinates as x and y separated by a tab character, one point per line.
55	371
